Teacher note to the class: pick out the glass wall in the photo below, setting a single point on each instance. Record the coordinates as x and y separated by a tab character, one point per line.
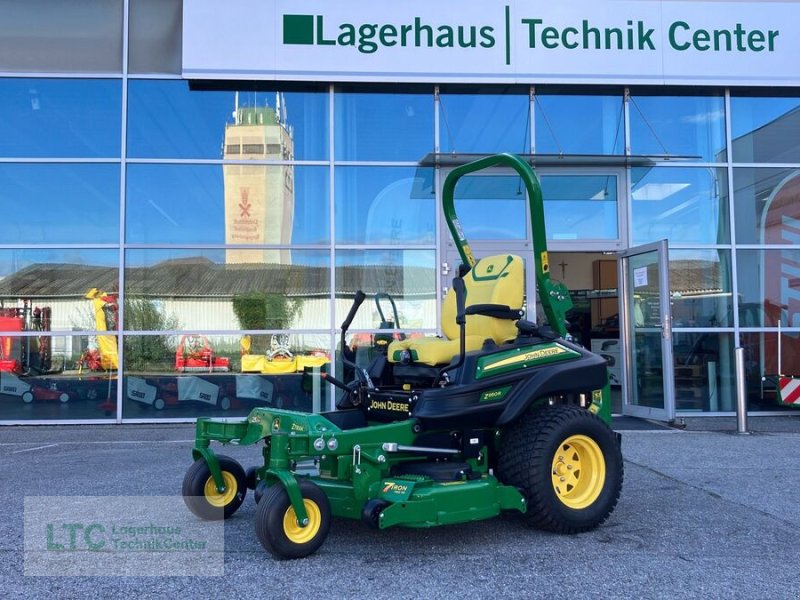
766	203
201	242
587	123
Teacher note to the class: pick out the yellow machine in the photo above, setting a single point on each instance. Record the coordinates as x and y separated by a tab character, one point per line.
105	309
279	360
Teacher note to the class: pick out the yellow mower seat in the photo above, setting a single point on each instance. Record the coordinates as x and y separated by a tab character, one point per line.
496	279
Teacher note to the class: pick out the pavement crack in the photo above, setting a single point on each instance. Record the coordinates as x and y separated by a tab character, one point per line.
715	495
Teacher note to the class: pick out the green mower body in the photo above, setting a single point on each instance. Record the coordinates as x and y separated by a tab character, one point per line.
516	425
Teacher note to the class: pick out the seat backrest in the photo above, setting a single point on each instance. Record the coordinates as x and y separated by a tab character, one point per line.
498	279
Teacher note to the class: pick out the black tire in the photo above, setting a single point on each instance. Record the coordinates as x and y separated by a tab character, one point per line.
568	464
277	530
371	513
200	494
250	477
261	489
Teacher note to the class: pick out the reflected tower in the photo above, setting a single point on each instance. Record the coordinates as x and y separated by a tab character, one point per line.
259	199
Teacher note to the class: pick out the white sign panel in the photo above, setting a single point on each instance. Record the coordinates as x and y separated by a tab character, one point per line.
640	277
714	42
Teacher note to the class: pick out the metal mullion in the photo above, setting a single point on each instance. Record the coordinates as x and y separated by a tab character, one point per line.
732	219
141	246
332	230
123	198
60	160
65	75
63	422
439	252
218	332
365	247
59	246
740	165
228	161
164	76
375	163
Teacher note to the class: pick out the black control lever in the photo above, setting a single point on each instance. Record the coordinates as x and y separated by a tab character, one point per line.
357	300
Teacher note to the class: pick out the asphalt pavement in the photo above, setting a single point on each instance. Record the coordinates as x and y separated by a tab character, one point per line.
703	514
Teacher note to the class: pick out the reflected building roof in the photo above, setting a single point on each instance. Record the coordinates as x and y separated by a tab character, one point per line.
202	278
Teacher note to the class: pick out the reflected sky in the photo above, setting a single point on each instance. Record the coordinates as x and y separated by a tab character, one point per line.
374	203
65	118
385	205
579	124
386	127
679	125
166	119
12	261
485	123
59	203
679	204
185	204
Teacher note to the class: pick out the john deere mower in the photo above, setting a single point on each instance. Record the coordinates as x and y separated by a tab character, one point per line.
500	414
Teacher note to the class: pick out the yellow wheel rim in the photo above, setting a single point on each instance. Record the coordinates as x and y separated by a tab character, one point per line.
217	499
579	471
302	535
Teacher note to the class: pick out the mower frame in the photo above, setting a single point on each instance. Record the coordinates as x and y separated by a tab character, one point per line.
504	428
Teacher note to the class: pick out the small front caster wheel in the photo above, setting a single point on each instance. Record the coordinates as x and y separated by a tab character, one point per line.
371	513
276	522
201	495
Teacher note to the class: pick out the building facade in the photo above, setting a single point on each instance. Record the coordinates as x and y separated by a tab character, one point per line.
206	203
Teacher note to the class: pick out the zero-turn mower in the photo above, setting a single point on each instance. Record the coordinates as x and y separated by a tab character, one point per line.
500	414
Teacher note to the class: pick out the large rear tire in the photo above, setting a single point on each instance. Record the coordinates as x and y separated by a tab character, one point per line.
568	463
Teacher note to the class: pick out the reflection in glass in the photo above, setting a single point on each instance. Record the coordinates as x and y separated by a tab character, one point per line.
485	123
57	280
408	277
502	196
384	205
383	126
765	358
42	377
684	205
579	124
648	370
59	203
700	282
646	349
767	205
233	204
678	125
769	290
579	207
199	290
765	129
167	119
64	118
704	372
224	375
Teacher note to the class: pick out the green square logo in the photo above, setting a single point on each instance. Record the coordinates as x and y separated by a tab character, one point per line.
298	29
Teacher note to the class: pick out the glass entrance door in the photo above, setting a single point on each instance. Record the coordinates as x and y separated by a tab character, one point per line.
647	328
